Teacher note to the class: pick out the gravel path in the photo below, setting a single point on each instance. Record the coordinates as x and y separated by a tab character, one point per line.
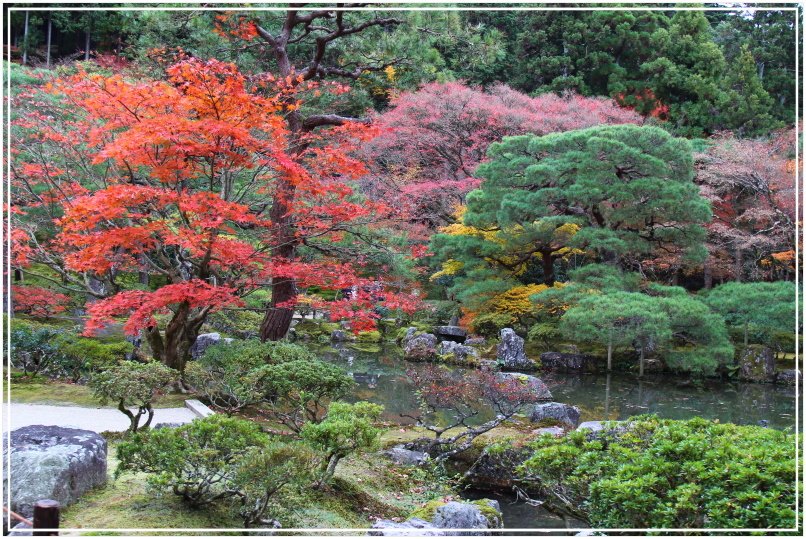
95	419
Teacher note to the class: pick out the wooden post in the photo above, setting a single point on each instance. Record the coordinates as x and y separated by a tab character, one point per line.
46	517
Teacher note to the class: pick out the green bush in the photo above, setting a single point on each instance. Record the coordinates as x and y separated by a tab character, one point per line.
348	428
79	356
369	336
656	473
34	349
133	384
225	374
240	324
299	391
490	324
265	473
197	461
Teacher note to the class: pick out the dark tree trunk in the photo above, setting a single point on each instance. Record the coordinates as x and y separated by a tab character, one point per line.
25	41
548	268
173	346
50	35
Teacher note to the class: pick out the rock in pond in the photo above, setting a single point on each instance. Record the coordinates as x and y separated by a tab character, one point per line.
450	333
406	457
205	341
788	377
557	361
511	355
458	353
757	364
535	383
50	462
339	335
421	347
558	412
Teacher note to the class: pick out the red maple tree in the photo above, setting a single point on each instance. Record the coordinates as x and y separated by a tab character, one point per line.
185	179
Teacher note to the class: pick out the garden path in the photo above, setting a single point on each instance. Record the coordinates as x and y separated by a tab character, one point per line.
94	419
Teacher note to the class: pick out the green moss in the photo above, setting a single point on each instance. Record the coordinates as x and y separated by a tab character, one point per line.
43	391
369	336
428	511
371	348
493	516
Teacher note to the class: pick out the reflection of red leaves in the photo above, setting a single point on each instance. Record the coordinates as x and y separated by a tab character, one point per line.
38	302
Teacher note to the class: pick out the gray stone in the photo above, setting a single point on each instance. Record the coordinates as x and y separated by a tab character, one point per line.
789	377
553	431
465	516
451	333
166	425
410	333
21	530
511	355
406	457
421	347
50	462
475	341
339	335
564	414
557	361
204	341
535	383
593	426
413	527
459	352
489	365
757	364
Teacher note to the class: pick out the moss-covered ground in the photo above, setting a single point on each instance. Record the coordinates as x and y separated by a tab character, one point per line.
365	487
41	390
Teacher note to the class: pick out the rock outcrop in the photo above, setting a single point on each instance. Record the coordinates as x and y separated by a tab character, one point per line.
51	462
757	364
450	333
440	518
422	347
511	355
533	382
557	413
558	361
454	352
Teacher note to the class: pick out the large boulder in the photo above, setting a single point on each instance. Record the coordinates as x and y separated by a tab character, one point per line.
421	347
437	518
451	333
481	515
558	361
475	341
787	377
454	352
533	382
757	364
495	469
511	355
406	457
413	527
555	412
50	462
205	341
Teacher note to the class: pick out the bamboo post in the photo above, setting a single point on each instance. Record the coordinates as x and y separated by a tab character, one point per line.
46	517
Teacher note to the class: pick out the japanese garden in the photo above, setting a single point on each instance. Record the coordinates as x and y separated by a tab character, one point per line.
383	270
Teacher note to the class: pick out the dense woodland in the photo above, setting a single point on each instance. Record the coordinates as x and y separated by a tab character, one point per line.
616	183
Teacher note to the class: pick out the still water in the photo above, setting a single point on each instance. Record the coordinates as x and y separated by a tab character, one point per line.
380	377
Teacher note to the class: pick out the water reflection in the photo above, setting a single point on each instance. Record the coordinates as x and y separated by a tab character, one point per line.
381	378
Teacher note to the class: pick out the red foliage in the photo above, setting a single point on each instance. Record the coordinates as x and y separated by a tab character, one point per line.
175	178
37	301
432	140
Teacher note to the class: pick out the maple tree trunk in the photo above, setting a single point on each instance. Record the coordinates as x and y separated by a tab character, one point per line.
172	347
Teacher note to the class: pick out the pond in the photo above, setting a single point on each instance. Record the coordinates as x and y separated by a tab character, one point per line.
380	377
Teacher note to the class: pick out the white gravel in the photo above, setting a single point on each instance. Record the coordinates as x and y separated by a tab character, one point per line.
94	419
